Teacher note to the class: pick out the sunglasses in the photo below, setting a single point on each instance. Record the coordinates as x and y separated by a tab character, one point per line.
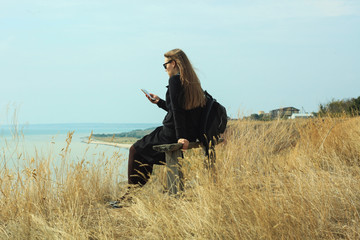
167	63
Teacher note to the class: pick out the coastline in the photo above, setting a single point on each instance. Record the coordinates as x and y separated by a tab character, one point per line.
119	145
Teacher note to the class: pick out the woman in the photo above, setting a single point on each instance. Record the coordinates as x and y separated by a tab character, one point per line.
184	101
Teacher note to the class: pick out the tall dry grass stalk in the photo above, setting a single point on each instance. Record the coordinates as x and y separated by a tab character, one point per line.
276	180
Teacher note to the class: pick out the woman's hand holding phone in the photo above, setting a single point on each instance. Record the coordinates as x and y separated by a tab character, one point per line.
152	97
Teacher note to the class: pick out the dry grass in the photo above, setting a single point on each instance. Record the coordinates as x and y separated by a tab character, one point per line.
276	180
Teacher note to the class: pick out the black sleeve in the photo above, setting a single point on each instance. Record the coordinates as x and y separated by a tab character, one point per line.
175	89
162	104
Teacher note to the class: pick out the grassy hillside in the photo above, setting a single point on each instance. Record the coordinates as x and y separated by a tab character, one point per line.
276	180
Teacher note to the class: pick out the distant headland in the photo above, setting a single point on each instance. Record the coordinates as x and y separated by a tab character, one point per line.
122	140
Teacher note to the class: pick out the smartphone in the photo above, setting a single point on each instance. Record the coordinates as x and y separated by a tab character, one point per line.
147	94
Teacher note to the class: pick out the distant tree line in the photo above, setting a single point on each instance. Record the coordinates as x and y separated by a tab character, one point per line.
334	108
350	107
260	117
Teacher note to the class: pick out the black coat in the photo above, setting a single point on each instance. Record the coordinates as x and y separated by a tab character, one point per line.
184	123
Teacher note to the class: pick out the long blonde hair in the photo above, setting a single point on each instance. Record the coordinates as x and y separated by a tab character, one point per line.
193	93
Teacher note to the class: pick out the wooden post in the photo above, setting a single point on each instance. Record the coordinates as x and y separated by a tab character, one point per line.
174	174
175	181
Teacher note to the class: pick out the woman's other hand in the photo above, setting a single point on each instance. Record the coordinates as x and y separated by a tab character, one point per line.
155	99
184	142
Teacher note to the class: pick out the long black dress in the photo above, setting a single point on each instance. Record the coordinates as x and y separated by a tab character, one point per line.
178	123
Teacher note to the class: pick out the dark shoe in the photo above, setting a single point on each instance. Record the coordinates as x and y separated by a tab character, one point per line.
115	204
124	201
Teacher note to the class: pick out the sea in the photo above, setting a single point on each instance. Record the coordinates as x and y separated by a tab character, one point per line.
20	144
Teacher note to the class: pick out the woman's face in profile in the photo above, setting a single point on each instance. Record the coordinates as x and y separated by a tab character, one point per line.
170	67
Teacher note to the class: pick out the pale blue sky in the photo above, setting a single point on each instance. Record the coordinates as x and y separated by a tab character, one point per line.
78	61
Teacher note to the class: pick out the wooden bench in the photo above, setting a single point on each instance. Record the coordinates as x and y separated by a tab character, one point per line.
174	174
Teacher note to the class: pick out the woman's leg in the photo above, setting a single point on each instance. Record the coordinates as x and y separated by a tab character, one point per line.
138	170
